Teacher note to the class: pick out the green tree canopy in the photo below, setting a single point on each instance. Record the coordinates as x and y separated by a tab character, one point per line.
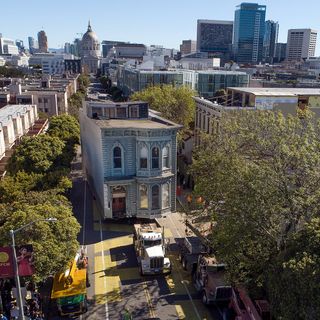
54	243
66	128
36	154
83	83
263	190
174	103
106	82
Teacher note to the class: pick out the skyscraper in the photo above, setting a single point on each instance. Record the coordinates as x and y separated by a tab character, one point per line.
188	46
301	44
281	50
215	37
248	32
43	41
33	45
270	40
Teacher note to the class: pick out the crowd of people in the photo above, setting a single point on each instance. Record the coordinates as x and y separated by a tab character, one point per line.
31	301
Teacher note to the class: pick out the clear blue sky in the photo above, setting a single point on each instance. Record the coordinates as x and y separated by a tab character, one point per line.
164	22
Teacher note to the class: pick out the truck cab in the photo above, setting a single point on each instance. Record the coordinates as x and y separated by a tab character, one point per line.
150	248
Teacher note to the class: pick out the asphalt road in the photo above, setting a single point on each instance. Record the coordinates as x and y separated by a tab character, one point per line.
113	270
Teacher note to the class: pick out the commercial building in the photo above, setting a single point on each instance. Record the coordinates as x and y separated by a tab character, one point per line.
270	40
209	82
188	46
129	158
215	37
281	52
286	100
33	45
205	82
131	80
72	65
8	46
51	63
42	41
301	44
248	32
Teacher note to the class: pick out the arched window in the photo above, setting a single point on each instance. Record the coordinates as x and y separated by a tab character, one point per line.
165	158
144	158
117	161
165	196
144	203
155	197
155	158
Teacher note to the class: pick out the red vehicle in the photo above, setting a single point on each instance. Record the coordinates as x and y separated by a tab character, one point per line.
243	308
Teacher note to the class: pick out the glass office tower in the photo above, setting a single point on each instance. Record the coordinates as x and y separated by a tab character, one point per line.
270	40
249	26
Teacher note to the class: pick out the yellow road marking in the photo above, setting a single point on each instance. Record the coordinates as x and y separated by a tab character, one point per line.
147	294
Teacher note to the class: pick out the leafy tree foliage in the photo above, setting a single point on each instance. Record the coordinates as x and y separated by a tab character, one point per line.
174	103
75	103
66	128
6	71
263	192
36	154
106	83
55	243
83	83
220	96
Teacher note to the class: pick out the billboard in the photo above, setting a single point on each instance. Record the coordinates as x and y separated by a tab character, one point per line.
271	102
6	262
25	261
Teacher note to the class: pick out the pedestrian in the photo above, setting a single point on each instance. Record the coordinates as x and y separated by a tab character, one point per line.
127	315
2	316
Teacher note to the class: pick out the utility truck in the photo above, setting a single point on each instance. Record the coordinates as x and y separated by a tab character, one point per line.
150	246
70	287
208	278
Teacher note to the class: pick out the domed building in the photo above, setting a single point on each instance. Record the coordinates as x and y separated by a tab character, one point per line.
90	51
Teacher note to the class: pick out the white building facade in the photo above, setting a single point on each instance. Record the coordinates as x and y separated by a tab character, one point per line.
301	44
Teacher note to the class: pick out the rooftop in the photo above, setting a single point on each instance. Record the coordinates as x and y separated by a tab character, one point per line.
131	124
279	91
12	110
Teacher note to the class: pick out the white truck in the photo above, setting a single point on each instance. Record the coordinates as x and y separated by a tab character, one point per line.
150	246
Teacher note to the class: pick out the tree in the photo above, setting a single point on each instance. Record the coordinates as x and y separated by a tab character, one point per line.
6	71
54	244
83	83
263	190
75	103
174	103
36	154
220	96
106	83
66	128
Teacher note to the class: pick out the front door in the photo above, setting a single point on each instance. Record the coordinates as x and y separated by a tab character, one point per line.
119	202
118	207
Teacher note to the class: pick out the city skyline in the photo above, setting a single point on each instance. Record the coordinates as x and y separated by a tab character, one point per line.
144	23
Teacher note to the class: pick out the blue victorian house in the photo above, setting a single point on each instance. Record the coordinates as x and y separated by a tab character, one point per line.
129	158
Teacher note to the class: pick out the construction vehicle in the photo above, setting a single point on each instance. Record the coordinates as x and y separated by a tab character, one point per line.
208	278
192	245
190	248
70	287
150	246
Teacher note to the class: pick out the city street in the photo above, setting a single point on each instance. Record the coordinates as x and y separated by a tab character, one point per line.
116	284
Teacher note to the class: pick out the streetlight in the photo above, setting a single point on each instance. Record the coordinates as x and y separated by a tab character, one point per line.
15	263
